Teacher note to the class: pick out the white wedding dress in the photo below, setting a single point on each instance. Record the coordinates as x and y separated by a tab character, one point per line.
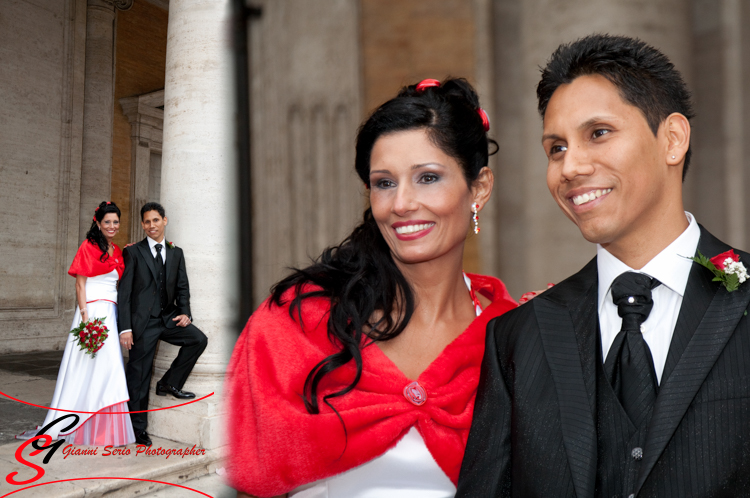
95	384
405	471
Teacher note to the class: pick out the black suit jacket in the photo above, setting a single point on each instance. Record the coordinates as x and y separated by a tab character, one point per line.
534	431
137	294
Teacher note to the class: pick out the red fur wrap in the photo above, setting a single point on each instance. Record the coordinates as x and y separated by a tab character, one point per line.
87	263
275	445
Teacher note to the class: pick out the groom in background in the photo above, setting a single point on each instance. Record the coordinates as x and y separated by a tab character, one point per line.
632	377
154	304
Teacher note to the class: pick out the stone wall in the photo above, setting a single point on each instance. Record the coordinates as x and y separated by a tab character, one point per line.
535	242
404	42
41	118
140	56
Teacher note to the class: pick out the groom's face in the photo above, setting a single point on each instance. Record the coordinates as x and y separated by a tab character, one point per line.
153	224
605	168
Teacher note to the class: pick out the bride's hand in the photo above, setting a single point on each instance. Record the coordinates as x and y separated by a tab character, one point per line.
531	295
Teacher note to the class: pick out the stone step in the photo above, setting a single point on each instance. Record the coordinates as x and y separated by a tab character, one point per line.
211	484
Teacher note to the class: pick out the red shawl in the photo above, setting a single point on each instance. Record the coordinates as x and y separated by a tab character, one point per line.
87	263
276	445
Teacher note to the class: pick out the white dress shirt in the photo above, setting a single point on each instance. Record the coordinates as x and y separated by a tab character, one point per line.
672	268
152	245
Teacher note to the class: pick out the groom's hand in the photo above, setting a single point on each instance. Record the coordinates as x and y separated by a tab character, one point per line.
182	320
126	339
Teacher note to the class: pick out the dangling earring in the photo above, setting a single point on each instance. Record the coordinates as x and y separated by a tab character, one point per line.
475	217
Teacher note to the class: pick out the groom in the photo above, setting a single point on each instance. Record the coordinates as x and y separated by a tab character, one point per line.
632	377
154	304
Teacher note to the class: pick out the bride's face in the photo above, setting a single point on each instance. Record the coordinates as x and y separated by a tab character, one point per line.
419	197
109	226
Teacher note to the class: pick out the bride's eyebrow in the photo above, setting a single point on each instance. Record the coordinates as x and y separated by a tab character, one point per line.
417	166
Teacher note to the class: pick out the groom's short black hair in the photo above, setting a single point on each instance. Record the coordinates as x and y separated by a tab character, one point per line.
644	76
153	206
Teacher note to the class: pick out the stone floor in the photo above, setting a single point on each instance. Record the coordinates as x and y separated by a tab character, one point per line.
31	378
21	376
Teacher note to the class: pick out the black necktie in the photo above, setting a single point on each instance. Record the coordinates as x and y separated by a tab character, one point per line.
159	263
629	365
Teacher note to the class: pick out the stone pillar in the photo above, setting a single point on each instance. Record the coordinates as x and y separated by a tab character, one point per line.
146	116
306	108
536	243
718	177
96	164
198	193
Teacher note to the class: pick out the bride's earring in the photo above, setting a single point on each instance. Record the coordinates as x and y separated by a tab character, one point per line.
475	217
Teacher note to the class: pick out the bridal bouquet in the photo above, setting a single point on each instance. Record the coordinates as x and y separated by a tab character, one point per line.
91	335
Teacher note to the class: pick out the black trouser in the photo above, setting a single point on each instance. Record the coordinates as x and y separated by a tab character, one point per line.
141	361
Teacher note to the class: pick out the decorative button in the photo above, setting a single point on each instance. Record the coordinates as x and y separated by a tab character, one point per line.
415	394
631	495
631	299
637	453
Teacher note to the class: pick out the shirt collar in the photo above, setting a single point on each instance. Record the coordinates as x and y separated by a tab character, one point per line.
152	243
671	266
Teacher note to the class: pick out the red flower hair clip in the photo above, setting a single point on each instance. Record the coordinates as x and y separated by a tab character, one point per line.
108	203
97	209
485	119
424	84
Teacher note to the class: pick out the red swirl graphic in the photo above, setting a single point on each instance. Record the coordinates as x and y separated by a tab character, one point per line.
111	413
95	478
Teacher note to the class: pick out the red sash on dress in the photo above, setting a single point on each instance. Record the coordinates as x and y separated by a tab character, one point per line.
87	263
276	446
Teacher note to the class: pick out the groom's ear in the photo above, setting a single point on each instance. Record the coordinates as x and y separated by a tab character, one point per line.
165	221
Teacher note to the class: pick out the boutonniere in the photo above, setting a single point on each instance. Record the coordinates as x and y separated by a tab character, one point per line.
726	268
170	245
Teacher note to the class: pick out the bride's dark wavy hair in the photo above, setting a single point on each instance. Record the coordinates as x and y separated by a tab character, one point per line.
359	276
94	234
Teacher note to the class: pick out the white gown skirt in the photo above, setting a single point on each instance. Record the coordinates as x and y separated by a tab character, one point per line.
97	385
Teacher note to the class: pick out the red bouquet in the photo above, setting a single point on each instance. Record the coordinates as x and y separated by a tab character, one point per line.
91	335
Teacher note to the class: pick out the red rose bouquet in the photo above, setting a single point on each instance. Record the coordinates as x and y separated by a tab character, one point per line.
91	335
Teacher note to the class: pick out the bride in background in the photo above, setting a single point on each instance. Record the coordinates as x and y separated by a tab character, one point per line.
85	383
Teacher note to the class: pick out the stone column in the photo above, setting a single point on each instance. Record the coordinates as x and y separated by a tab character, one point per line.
198	193
306	108
96	163
536	243
718	177
146	116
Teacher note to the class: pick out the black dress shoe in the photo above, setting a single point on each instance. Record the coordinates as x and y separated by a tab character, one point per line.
163	390
143	439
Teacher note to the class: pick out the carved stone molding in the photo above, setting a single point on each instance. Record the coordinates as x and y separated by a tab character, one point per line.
146	116
118	4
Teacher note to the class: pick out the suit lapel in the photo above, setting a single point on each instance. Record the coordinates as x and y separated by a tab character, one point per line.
146	252
568	319
712	330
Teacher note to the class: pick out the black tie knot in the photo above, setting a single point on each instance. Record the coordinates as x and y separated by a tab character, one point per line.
631	292
158	248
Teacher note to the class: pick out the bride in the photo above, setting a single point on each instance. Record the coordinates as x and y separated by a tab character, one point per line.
86	383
